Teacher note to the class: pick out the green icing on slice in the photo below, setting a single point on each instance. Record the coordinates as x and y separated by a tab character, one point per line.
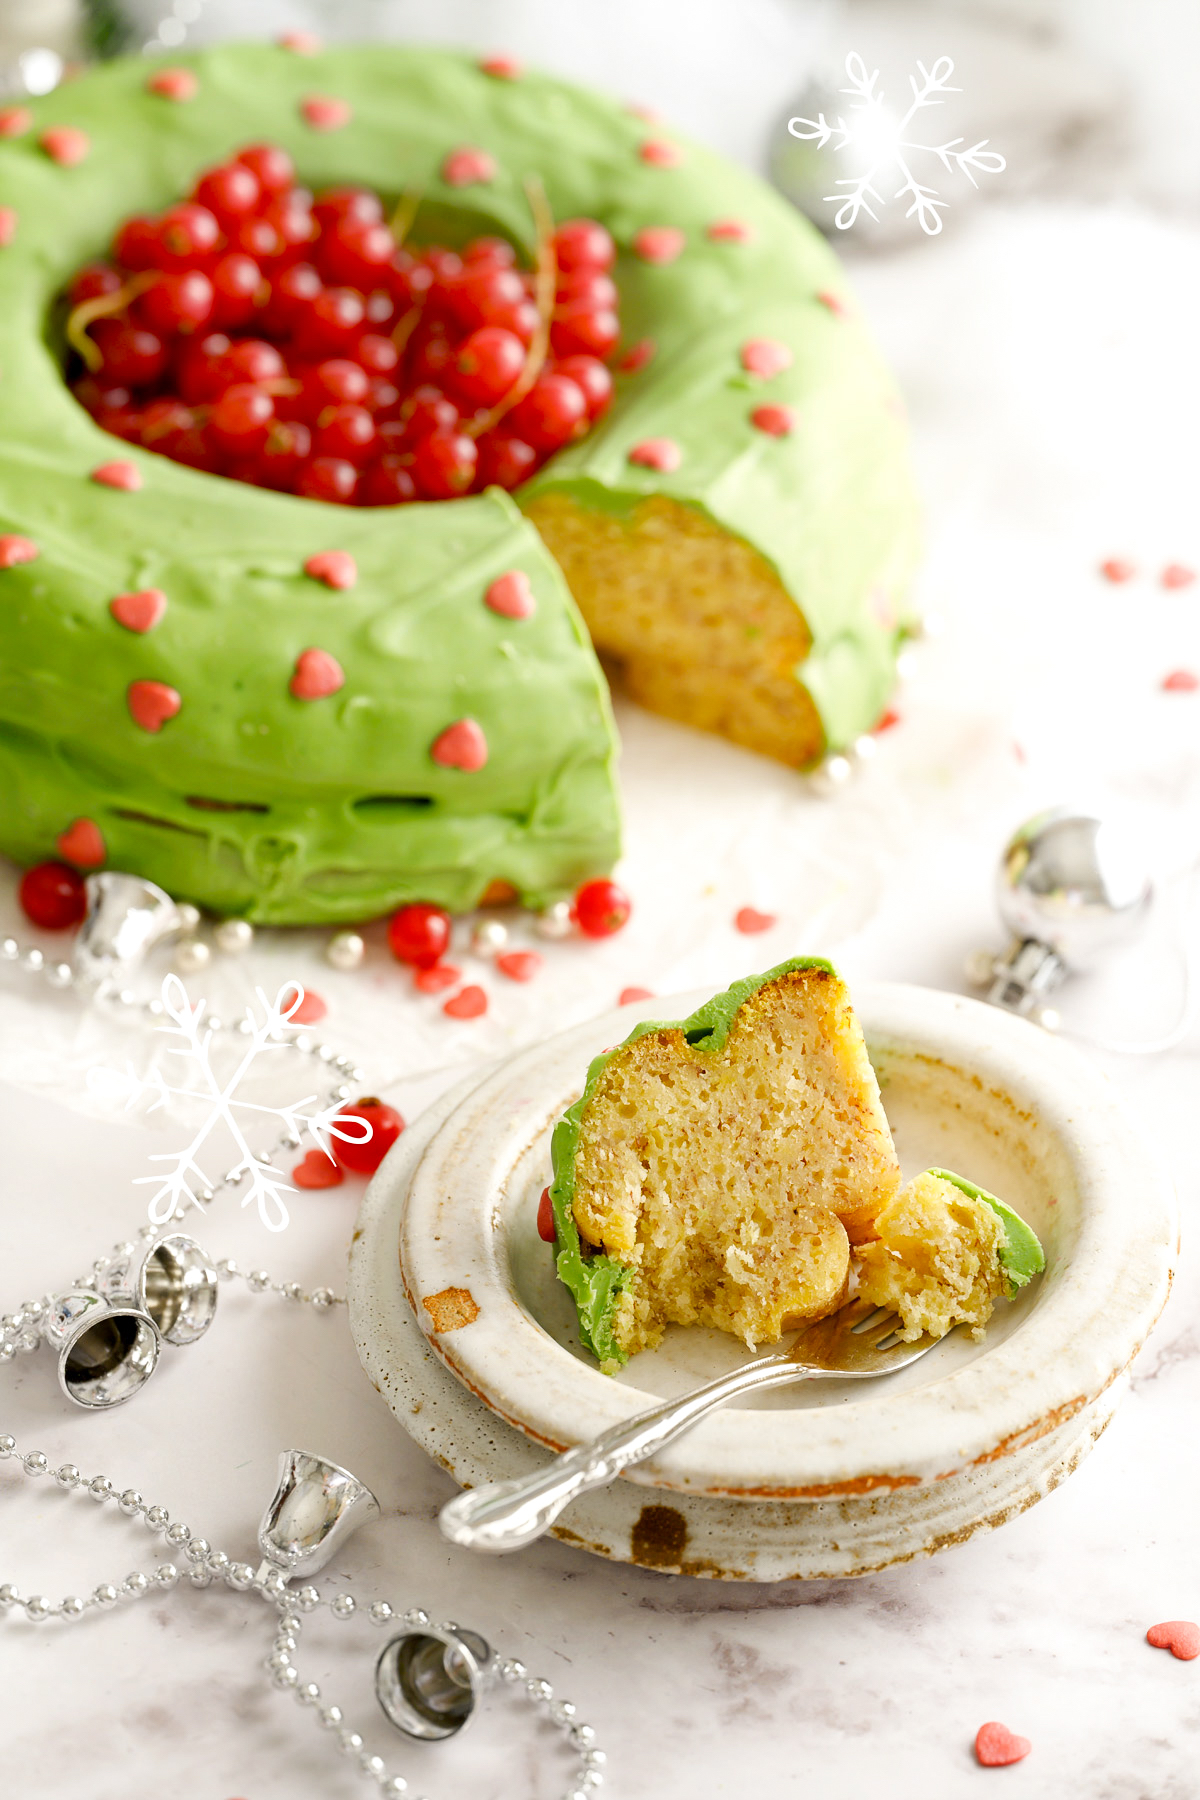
1021	1254
595	1282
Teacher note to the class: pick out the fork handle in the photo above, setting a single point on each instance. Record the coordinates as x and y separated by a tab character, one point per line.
507	1515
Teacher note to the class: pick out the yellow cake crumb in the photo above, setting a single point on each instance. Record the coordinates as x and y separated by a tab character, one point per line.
936	1259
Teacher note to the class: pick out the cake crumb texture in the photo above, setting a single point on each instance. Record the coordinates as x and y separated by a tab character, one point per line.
936	1259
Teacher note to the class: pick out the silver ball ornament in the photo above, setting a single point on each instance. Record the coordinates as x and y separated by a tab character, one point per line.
1075	883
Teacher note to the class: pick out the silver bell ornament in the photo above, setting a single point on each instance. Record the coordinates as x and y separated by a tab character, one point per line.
126	916
107	1348
173	1281
1072	888
316	1506
428	1681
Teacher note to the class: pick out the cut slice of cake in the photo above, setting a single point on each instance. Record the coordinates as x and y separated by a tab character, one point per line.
945	1252
716	1170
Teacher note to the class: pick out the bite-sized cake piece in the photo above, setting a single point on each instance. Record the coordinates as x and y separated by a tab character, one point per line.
946	1251
715	1171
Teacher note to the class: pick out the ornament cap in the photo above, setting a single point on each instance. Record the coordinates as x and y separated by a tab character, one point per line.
126	917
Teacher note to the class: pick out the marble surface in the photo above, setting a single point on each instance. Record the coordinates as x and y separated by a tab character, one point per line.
1052	370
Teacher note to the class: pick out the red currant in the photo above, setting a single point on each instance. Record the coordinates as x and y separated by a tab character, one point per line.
132	356
292	222
585	330
137	244
378	355
444	464
293	290
93	282
360	205
347	431
522	320
53	896
429	410
552	413
495	250
230	191
329	326
355	255
485	291
545	1218
587	286
388	482
279	462
488	363
592	377
383	396
186	232
419	934
257	237
335	382
237	282
197	368
249	359
601	908
386	1126
165	424
273	167
328	478
179	301
240	420
505	461
584	244
432	358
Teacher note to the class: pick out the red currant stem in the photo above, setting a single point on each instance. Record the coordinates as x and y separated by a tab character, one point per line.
405	326
545	284
280	384
401	221
85	314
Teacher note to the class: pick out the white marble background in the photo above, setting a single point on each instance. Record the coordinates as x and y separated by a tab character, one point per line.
1048	353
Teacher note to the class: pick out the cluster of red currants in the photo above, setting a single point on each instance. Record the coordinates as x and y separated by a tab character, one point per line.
419	934
256	332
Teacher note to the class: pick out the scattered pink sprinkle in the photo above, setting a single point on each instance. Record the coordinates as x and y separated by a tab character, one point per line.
173	84
886	720
511	596
1018	751
8	225
464	167
468	1003
65	145
629	995
1180	681
660	154
837	306
637	356
15	121
141	611
748	920
776	421
301	43
1177	575
663	454
1118	569
519	965
996	1745
659	243
730	231
82	843
637	109
765	356
502	68
336	568
316	1170
461	746
310	1010
152	703
324	112
317	675
15	549
124	475
437	979
1180	1636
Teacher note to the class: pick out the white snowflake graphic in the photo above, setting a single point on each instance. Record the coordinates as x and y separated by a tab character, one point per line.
267	1188
877	135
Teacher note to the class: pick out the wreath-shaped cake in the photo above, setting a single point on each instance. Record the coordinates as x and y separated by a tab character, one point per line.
329	710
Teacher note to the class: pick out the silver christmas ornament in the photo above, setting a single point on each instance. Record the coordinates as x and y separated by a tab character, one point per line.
316	1506
429	1680
174	1282
345	950
233	936
126	917
107	1349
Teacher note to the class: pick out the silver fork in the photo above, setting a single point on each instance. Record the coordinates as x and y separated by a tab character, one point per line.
856	1343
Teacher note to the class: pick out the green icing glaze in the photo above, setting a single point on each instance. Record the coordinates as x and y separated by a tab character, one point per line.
334	809
594	1282
1021	1255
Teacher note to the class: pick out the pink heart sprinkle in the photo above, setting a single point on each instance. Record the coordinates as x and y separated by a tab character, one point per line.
749	921
1177	575
464	167
124	475
729	231
659	243
629	995
996	1745
317	676
1118	569
8	225
336	568
311	1010
1180	681
141	611
637	356
461	746
468	1003
437	979
65	145
152	703
776	421
519	965
659	154
886	720
325	113
82	843
15	121
834	303
14	550
173	84
511	596
316	1170
502	68
1180	1636
663	454
765	356
301	43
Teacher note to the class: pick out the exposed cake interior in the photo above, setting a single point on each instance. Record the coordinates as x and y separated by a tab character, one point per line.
700	625
728	1162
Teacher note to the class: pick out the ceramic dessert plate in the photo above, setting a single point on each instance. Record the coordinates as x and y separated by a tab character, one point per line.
971	1433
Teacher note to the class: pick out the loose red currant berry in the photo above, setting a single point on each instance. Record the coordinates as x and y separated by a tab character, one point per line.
137	244
495	250
249	359
292	221
432	357
444	464
100	397
273	167
331	324
381	309
386	1126
553	412
485	291
378	355
488	363
197	367
335	382
53	896
388	482
185	233
545	1218
179	301
584	244
592	377
383	397
505	461
292	291
588	287
237	282
409	281
584	330
522	320
164	423
279	462
355	255
347	431
428	409
355	204
132	356
601	908
240	420
257	238
328	478
419	934
230	191
93	282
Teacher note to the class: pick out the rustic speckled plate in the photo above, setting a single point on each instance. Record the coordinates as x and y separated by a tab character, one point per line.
818	1478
